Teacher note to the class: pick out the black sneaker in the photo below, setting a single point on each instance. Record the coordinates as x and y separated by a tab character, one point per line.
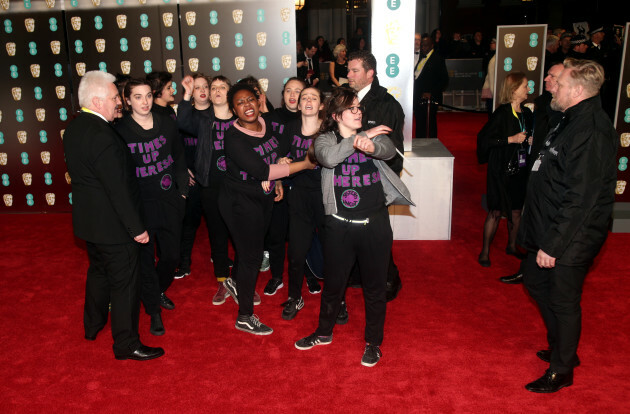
313	286
252	325
181	273
371	355
312	340
165	302
342	316
272	286
291	308
231	288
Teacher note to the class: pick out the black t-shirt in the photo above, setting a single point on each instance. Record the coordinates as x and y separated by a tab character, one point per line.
164	110
298	147
190	142
218	165
358	188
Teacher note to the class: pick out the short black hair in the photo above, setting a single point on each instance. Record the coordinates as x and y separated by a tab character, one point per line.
157	81
240	86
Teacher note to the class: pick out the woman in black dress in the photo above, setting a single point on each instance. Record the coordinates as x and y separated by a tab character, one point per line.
338	68
503	144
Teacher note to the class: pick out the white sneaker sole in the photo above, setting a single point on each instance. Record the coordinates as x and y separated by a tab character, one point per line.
253	332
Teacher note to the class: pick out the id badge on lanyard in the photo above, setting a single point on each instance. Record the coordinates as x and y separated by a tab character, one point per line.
521	153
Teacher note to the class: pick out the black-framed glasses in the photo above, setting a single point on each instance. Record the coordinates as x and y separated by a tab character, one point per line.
355	109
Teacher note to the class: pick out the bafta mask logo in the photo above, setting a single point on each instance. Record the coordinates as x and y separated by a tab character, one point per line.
11	49
3	158
80	66
261	38
4	4
63	131
285	14
50	3
264	84
125	67
191	18
96	3
286	61
531	106
394	91
215	39
100	45
171	65
193	64
167	18
35	70
143	2
392	32
60	91
121	21
17	93
30	25
145	42
8	199
237	15
532	62
627	86
508	39
68	179
22	137
625	139
239	61
40	113
55	47
76	23
45	155
50	199
621	187
27	178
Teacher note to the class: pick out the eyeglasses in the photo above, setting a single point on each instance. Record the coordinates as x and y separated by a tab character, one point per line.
355	109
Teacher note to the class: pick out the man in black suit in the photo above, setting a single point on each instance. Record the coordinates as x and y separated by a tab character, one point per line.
431	79
308	65
106	214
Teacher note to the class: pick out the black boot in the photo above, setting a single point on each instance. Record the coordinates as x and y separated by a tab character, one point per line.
157	327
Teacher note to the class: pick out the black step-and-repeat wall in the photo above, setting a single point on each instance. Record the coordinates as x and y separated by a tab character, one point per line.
622	123
49	46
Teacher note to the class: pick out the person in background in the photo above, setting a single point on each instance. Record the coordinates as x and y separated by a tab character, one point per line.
553	44
438	44
478	47
307	65
338	68
156	148
579	47
502	143
161	84
564	47
430	81
323	50
106	213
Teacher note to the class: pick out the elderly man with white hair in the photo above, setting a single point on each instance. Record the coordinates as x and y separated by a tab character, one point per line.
570	196
106	214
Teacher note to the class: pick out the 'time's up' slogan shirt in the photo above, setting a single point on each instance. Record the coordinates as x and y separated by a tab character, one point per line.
248	156
298	147
358	188
218	166
158	154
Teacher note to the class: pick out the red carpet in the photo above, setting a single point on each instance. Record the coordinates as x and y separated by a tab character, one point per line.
456	340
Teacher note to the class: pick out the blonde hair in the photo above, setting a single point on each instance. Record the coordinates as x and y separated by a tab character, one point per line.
338	50
510	84
587	73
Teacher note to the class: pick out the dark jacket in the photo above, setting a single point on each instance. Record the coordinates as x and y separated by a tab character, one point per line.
105	193
198	123
381	108
432	79
570	195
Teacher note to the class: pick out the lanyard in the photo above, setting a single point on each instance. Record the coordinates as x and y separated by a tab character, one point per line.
521	124
89	111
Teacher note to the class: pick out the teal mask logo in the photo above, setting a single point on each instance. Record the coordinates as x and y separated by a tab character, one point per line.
29	200
98	22
623	163
214	17
260	15
530	86
43	136
392	69
174	86
192	41
216	64
533	40
8	26
507	64
393	4
32	48
286	38
78	46
70	198
120	2
1	138
48	178
102	66
147	66
19	115
58	70
53	24
74	3
626	118
169	42
262	62
5	180
27	4
238	40
63	114
24	157
124	44
38	93
144	20
14	71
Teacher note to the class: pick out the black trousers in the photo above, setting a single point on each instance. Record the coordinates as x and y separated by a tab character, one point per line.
306	216
276	237
370	245
247	217
558	292
163	219
113	278
217	232
190	224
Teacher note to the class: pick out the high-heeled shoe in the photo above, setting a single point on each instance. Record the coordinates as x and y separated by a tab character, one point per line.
516	253
484	262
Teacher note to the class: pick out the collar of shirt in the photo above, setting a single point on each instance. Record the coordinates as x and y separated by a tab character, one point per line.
89	111
361	94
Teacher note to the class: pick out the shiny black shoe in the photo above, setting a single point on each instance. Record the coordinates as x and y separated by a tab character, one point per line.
514	279
143	353
342	316
393	288
157	327
545	355
550	382
165	302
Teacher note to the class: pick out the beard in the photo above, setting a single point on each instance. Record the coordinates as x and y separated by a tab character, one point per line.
556	106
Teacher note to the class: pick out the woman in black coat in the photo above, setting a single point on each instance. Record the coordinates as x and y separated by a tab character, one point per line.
503	144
